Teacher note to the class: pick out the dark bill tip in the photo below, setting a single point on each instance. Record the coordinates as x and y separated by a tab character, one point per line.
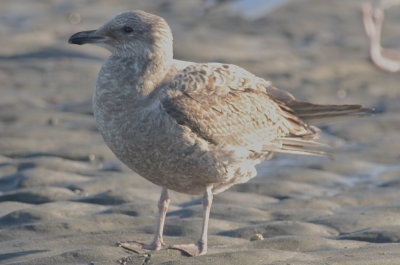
85	37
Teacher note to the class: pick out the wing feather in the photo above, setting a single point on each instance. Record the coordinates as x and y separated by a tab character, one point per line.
226	105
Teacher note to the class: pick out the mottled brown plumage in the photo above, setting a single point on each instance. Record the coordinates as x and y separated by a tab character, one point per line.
190	127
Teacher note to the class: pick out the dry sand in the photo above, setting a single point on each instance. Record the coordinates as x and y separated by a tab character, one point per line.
65	199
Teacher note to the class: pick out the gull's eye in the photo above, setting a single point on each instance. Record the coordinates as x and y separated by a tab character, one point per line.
127	29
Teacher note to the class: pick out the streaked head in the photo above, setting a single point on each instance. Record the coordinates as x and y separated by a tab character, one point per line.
130	34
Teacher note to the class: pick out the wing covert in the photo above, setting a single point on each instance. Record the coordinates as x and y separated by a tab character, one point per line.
225	104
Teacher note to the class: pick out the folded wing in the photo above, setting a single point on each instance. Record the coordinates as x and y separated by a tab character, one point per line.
226	105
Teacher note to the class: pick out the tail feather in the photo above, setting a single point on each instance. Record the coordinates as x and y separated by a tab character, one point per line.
300	140
296	145
300	151
298	114
295	141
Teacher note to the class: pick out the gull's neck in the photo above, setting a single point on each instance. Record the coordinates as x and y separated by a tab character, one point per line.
135	77
147	72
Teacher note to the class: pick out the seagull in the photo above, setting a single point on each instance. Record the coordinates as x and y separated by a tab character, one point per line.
195	128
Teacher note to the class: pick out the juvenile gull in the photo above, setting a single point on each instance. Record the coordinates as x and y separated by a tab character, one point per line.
191	127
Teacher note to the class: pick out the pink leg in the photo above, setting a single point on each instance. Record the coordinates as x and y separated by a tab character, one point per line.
200	248
158	241
369	26
373	19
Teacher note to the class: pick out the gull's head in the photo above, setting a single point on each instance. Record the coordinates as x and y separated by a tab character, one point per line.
130	34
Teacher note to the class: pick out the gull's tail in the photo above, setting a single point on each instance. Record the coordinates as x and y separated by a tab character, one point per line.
300	141
299	114
315	112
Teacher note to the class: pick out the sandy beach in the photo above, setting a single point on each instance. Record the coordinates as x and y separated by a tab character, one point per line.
66	199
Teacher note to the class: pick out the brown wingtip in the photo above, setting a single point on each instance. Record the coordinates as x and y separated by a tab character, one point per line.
315	112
